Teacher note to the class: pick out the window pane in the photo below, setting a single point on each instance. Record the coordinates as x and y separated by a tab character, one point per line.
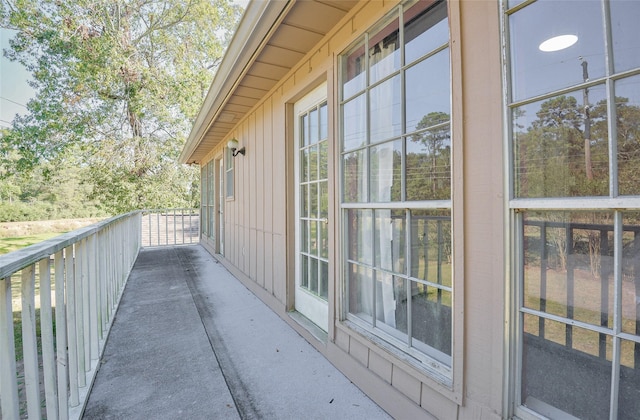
624	26
385	120
428	175
391	302
360	236
360	291
353	72
628	131
431	317
324	199
631	273
561	150
428	98
384	52
426	28
568	268
390	240
535	71
354	177
628	402
354	129
386	172
558	377
431	246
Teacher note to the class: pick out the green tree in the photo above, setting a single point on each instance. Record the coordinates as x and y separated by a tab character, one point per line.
120	82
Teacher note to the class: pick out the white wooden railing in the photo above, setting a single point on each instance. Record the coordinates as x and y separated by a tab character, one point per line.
85	270
162	227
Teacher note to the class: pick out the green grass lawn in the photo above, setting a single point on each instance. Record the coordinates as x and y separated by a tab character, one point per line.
11	244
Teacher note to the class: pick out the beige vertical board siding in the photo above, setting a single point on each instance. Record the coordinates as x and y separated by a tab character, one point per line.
259	197
251	194
280	164
267	179
483	205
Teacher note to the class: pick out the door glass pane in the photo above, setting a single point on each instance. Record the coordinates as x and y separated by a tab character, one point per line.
390	236
428	103
305	130
324	199
304	200
536	71
304	271
313	275
560	150
313	127
313	200
431	316
624	25
313	237
386	172
385	110
360	281
324	161
552	372
324	279
304	165
628	131
313	163
391	302
384	52
354	177
304	235
324	122
426	28
354	131
324	239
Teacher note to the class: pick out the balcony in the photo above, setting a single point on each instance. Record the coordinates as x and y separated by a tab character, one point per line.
153	327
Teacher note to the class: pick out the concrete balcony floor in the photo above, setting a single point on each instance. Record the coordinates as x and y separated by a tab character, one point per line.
190	341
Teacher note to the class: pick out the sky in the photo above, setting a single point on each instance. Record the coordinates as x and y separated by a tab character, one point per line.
14	90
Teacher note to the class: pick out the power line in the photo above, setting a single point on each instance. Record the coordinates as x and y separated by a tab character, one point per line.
13	102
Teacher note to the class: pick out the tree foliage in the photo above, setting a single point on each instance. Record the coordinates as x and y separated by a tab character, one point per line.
119	83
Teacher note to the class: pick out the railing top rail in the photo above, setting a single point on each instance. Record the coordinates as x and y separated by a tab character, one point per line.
16	260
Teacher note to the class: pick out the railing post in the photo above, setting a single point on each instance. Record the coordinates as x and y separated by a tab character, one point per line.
71	326
61	336
46	332
8	385
29	342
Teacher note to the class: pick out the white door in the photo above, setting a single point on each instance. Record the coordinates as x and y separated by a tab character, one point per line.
312	205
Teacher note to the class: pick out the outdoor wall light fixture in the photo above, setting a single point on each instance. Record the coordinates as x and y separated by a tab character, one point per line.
558	43
233	145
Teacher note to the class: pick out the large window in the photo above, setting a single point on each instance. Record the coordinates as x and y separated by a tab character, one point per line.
574	104
396	182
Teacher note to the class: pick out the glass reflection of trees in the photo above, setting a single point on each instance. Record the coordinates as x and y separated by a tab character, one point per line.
551	155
